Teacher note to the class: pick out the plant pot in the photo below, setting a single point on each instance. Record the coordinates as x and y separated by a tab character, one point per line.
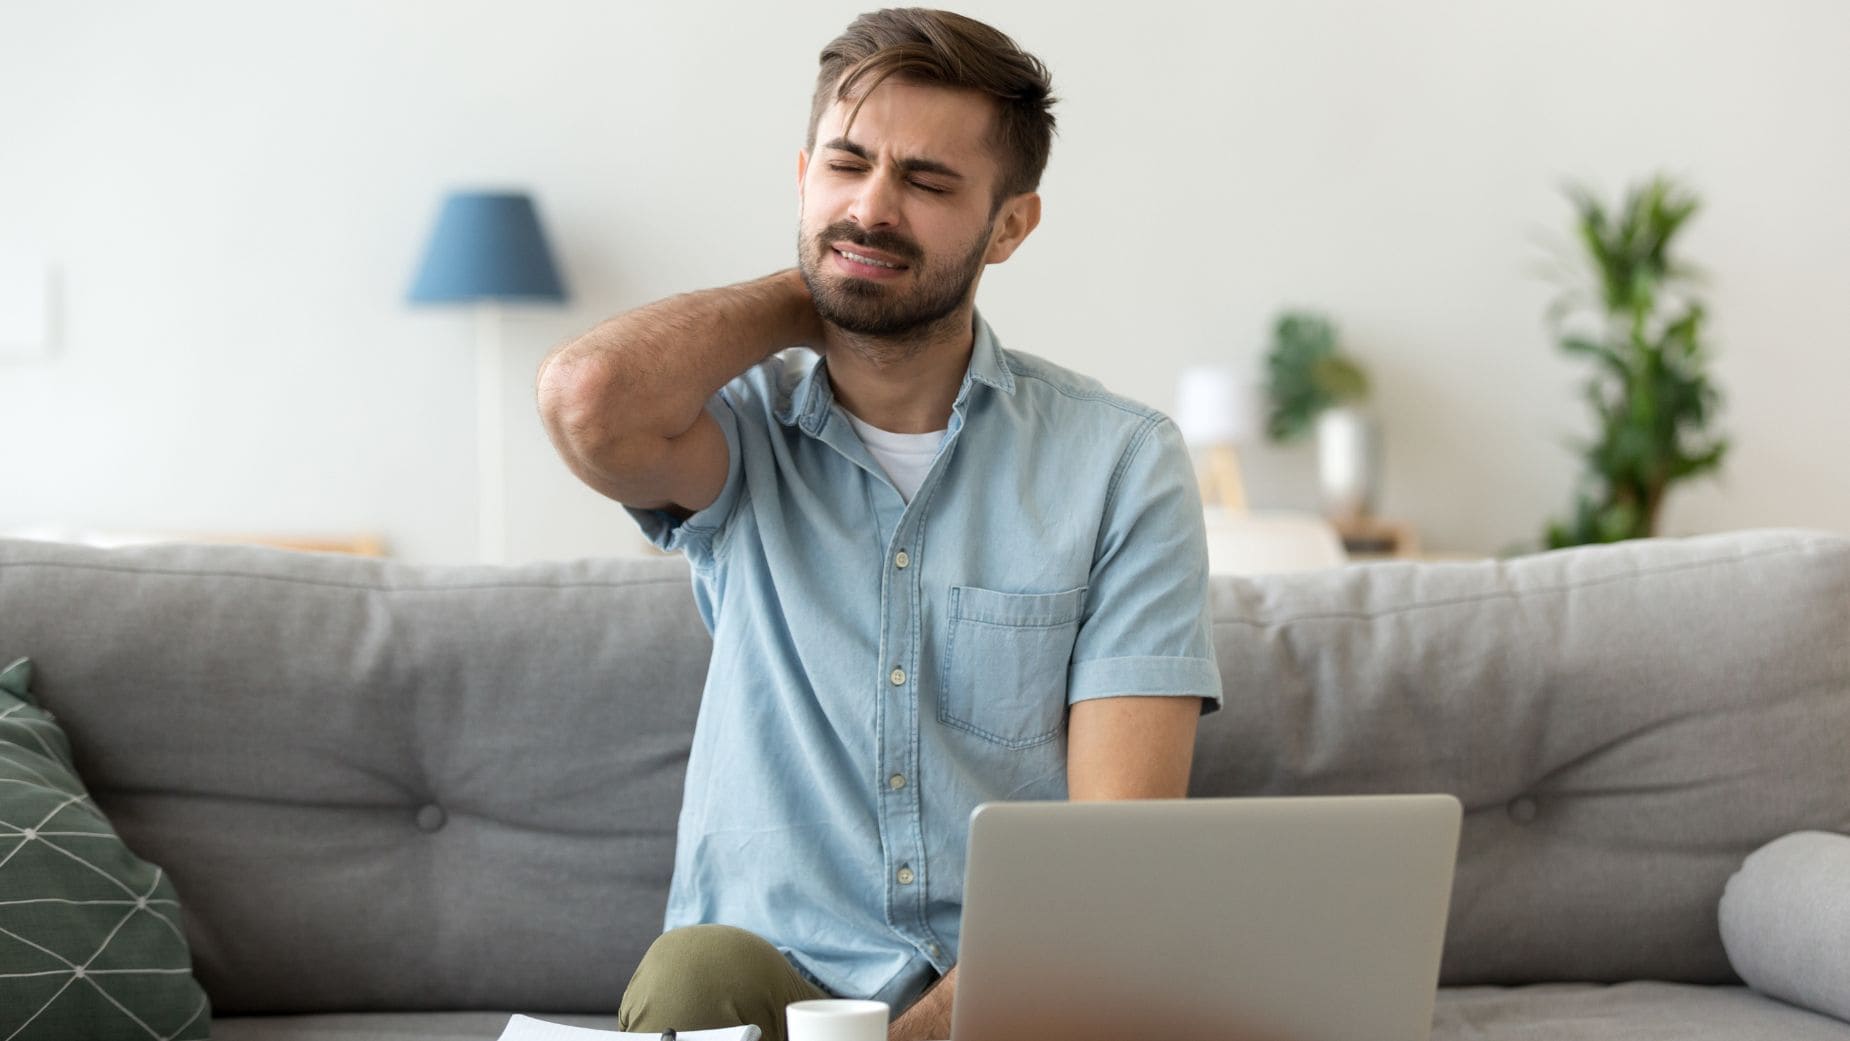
1348	462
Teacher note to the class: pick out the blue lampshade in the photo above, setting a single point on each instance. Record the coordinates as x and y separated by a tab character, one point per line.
487	246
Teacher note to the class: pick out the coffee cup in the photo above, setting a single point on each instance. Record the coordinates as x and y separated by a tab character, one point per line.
836	1019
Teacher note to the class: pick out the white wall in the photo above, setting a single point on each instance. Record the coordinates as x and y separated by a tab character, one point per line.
235	195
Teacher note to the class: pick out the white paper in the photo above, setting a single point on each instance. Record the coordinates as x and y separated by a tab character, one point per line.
526	1028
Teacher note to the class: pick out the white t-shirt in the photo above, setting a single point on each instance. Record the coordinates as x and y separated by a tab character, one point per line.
905	457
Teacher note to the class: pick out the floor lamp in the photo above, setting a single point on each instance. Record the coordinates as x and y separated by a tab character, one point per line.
488	249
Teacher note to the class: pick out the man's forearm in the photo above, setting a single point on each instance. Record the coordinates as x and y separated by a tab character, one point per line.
652	369
930	1017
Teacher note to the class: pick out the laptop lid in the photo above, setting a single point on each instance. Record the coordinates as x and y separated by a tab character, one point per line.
1275	919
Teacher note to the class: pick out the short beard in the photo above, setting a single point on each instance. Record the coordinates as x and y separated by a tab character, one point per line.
870	311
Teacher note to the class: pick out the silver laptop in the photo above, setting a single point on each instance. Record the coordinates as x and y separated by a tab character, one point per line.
1294	919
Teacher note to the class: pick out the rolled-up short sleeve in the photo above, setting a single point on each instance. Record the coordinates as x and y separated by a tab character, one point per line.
698	536
1147	627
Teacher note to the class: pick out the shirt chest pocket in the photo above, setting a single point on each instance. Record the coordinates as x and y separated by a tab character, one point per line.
1005	663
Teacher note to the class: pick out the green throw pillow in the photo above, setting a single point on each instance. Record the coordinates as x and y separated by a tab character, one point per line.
90	940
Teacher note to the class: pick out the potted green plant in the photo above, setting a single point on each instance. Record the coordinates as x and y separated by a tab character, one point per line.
1634	316
1313	384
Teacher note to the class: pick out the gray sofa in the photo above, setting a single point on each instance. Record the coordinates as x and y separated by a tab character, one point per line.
403	801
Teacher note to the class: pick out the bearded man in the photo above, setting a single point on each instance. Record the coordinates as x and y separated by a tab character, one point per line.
937	572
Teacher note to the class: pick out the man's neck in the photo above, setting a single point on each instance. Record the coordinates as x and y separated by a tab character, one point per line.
904	385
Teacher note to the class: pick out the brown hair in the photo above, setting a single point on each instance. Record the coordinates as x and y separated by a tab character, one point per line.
946	49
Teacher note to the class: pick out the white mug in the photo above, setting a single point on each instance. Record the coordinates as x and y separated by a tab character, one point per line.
836	1019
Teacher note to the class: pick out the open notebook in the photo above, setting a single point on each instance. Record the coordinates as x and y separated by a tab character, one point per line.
526	1028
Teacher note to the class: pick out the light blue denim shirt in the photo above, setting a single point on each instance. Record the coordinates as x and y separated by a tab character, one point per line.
881	667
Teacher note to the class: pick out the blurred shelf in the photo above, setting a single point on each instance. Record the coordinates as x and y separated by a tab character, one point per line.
1434	557
361	544
1372	539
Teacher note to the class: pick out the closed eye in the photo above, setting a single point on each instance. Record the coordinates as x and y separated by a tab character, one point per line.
851	168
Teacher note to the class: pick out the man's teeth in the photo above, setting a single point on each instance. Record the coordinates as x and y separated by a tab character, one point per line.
858	259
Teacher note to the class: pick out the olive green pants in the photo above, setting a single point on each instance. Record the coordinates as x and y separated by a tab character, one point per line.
704	976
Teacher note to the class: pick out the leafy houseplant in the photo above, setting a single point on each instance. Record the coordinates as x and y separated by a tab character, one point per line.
1306	373
1644	333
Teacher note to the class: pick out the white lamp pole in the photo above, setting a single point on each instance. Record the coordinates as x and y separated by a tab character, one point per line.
490	450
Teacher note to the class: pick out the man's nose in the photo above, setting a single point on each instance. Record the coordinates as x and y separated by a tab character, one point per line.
876	204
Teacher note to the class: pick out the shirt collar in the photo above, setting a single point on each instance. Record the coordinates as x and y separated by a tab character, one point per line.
811	397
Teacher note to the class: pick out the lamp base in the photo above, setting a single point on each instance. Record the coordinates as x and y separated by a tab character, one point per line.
1218	472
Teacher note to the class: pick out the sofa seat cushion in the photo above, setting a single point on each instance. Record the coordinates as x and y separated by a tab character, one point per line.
1645	1011
1541	1012
386	1026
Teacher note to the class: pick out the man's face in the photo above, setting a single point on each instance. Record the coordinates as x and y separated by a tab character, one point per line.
896	223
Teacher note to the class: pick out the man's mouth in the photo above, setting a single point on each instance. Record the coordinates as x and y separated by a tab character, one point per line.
860	257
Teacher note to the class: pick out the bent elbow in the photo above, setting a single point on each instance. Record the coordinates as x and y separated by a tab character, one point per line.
576	400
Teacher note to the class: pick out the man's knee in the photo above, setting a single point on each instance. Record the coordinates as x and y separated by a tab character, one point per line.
701	977
699	949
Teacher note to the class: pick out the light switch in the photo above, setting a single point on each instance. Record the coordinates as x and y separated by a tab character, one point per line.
25	306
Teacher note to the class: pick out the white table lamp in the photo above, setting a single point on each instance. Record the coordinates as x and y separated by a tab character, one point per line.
1218	410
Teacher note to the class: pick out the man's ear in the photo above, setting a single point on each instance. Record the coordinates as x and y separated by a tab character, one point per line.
802	169
1020	215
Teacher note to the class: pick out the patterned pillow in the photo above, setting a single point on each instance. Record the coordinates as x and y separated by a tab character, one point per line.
90	940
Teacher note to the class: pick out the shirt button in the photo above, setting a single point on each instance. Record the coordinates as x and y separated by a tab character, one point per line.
896	782
900	559
933	950
905	876
898	677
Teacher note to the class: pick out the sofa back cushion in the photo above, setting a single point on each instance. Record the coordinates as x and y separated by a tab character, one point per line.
1624	724
375	785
